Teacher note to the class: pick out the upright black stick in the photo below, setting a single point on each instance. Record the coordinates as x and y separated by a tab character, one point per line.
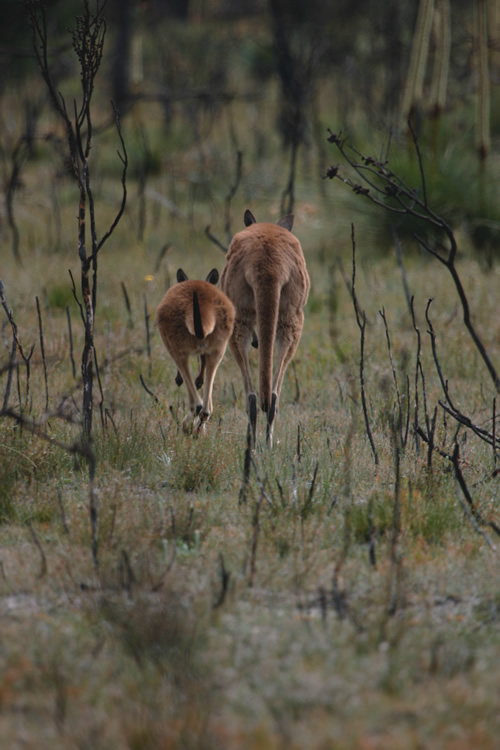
361	321
42	349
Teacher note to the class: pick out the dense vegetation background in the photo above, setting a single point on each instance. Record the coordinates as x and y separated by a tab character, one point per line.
339	591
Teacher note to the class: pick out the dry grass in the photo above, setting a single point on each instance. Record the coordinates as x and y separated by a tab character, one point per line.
218	624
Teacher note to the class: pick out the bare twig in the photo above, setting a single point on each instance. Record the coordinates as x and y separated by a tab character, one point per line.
396	557
225	577
148	334
361	321
254	541
42	349
385	188
475	514
232	192
214	239
127	305
391	360
242	496
148	391
70	334
37	543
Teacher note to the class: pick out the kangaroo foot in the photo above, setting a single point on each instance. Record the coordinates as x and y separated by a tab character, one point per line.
252	414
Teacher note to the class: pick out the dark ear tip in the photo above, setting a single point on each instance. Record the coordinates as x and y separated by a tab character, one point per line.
181	276
213	276
287	221
249	218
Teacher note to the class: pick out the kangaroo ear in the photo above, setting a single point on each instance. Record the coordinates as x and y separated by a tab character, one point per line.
213	276
287	222
249	218
181	276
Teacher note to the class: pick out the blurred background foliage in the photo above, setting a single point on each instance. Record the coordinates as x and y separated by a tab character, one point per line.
198	80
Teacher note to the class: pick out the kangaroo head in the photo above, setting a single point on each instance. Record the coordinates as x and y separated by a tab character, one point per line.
286	221
212	278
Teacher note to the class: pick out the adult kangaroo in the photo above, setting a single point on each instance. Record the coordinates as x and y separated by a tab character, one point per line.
196	318
266	278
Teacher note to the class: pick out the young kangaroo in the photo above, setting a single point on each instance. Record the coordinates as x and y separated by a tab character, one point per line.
196	318
266	278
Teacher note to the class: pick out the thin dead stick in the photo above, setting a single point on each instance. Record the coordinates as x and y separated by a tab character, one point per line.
161	255
161	580
16	346
372	554
261	484
254	542
476	515
148	336
297	387
391	360
347	531
242	495
448	406
361	321
12	365
299	445
306	507
127	573
148	391
70	333
232	192
101	391
407	422
42	349
214	239
467	422
225	577
36	541
474	523
444	383
127	305
93	510
396	559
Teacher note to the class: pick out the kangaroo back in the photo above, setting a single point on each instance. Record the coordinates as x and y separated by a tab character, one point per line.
266	278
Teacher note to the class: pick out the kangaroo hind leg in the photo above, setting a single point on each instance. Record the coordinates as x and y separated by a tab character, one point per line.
287	341
195	402
239	345
211	363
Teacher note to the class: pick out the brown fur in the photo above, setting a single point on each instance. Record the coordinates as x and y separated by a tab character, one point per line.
266	278
175	319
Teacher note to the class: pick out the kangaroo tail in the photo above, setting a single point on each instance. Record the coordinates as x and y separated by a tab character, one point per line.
267	308
198	327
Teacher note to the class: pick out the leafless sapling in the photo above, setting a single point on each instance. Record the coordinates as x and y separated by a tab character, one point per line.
88	43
